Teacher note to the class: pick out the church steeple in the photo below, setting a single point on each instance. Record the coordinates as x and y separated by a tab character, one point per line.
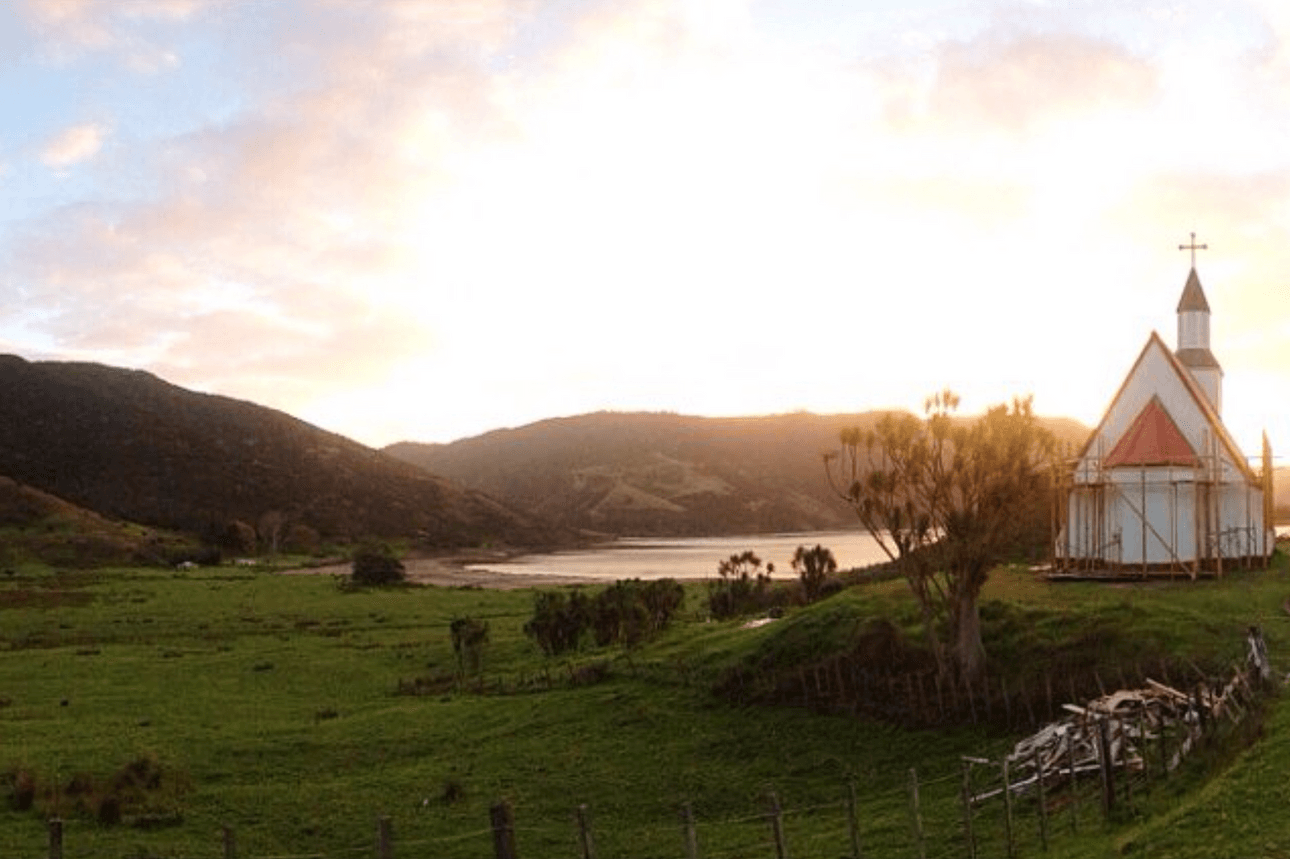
1193	340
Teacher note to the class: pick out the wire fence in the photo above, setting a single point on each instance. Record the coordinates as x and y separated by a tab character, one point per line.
1100	762
978	808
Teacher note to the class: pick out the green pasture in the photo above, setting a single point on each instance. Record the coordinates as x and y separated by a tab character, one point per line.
271	704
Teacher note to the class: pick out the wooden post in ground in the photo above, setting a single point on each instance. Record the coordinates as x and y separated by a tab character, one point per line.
503	820
1142	746
691	836
1108	774
230	843
1007	809
1043	801
853	820
1070	763
916	814
777	826
55	838
1163	742
384	839
967	808
584	833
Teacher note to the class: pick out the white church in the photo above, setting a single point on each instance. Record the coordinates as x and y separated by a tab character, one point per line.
1161	488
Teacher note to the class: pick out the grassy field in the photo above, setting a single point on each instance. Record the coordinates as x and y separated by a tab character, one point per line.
270	704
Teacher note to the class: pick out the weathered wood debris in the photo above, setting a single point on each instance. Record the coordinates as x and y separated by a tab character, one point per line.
1116	731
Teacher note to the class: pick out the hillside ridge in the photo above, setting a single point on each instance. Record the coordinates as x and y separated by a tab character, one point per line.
131	446
662	473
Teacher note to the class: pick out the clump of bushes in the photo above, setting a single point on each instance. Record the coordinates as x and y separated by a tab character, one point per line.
376	564
144	790
742	587
627	612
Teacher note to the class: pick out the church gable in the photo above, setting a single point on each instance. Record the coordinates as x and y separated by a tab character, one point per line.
1152	439
1157	375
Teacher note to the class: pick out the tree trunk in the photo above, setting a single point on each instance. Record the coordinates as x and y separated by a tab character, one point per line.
969	653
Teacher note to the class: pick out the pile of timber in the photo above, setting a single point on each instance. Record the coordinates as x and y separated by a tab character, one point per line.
1115	731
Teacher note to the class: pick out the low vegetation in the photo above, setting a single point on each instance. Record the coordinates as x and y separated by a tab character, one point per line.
627	612
228	688
376	564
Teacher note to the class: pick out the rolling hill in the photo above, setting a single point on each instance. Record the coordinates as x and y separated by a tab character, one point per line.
130	446
35	525
652	474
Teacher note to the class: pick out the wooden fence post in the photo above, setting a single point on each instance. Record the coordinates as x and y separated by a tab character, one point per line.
777	826
584	833
230	843
384	838
55	838
967	808
503	820
1162	740
1043	802
1108	774
853	820
1007	809
691	836
1070	763
916	814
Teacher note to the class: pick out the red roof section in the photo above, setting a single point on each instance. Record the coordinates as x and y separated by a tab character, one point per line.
1152	439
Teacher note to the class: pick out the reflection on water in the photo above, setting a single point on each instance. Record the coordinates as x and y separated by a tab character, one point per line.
693	558
688	558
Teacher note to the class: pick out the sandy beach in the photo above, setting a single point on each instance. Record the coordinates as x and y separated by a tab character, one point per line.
449	571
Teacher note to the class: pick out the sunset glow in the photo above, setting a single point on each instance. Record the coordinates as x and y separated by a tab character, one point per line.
424	220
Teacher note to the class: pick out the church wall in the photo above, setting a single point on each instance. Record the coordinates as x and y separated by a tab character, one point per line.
1169	532
1104	527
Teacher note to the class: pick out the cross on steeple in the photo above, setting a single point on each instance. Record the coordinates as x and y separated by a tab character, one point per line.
1193	247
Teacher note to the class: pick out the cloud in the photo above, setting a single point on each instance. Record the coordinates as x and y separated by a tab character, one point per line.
270	254
1016	83
73	145
67	29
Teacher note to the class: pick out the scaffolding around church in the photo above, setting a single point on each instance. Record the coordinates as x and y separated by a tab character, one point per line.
1161	521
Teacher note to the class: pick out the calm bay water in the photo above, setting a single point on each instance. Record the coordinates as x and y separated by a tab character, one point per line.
688	558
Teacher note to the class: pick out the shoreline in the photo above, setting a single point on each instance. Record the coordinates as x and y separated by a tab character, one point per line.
449	571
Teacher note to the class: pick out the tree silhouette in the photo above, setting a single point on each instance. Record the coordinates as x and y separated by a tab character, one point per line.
813	568
946	500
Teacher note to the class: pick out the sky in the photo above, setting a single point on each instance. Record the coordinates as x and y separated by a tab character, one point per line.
426	219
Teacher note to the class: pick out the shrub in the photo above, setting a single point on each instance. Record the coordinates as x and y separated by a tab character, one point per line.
741	587
468	639
558	621
239	537
814	568
631	611
627	612
376	564
302	539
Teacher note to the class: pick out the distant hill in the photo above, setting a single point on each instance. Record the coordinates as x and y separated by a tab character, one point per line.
130	446
651	474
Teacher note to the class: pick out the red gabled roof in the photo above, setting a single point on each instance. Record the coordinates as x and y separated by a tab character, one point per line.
1152	439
